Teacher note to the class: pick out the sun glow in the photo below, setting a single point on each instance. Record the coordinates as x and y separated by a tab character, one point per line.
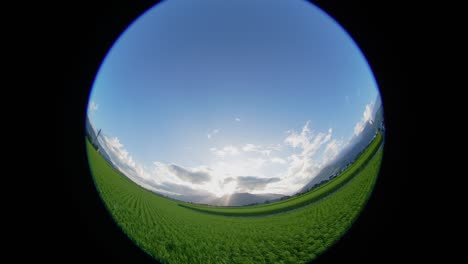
227	189
220	189
226	167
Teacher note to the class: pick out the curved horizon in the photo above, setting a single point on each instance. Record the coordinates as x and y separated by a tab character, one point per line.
233	98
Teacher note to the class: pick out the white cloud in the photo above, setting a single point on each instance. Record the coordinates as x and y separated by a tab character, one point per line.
332	149
237	165
307	140
278	160
119	152
264	150
121	158
298	140
366	117
305	164
212	133
231	150
303	155
258	149
296	162
174	179
227	150
248	147
257	163
237	119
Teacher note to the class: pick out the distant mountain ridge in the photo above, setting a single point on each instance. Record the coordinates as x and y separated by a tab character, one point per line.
240	199
350	153
235	199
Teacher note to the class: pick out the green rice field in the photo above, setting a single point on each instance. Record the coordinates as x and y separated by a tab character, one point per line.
295	230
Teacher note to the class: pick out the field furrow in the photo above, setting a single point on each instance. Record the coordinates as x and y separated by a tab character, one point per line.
176	234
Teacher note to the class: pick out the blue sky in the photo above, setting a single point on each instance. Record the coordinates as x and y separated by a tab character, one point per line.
191	79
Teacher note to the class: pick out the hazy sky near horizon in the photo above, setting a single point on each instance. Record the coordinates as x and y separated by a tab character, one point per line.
230	96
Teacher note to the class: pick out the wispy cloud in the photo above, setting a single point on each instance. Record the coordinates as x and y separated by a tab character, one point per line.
296	161
212	133
308	141
278	160
247	148
366	117
121	158
259	149
237	119
118	152
303	166
332	149
227	150
164	178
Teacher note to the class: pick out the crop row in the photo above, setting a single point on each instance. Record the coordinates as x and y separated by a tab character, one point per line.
173	234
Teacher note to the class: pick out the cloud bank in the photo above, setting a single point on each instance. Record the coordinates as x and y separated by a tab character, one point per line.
366	117
278	168
250	183
195	176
